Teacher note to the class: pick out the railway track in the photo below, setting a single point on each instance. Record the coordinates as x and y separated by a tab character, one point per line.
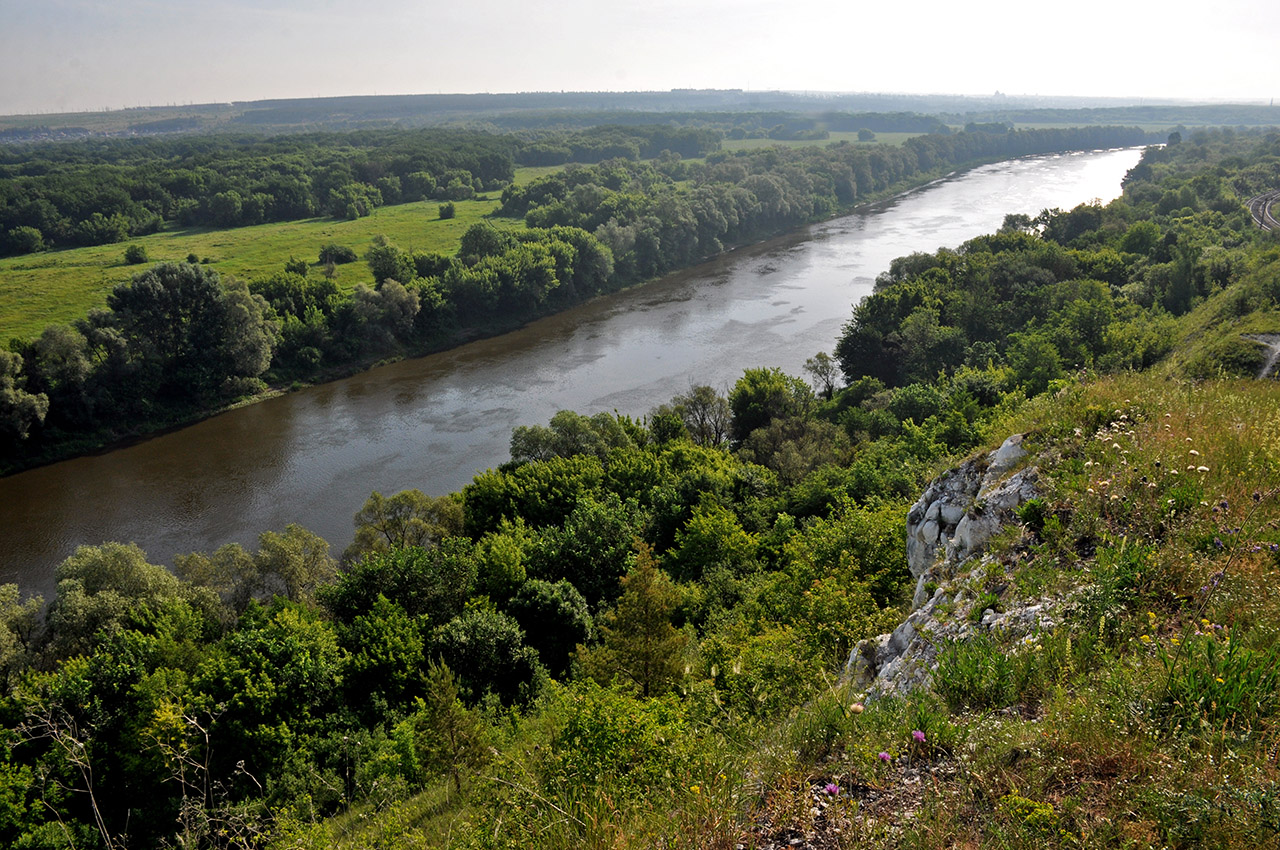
1260	208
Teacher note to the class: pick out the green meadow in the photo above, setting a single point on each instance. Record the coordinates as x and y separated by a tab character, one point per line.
37	290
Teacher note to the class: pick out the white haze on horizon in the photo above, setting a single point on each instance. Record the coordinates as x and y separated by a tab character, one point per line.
76	55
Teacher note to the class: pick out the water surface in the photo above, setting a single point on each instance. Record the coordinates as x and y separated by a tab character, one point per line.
313	457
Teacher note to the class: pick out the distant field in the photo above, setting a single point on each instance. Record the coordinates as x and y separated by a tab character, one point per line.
753	144
37	290
529	173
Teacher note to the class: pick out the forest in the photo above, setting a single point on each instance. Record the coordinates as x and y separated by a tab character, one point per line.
176	342
632	634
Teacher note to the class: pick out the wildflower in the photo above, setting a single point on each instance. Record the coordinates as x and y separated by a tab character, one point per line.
918	735
1219	680
832	789
883	756
695	789
1145	638
856	708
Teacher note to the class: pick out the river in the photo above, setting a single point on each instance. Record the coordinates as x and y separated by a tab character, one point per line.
313	456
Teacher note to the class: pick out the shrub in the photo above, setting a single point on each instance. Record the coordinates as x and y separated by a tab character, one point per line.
974	674
337	254
135	255
25	240
1033	514
638	744
295	266
1219	686
448	210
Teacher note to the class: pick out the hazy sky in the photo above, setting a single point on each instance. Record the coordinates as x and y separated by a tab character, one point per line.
66	55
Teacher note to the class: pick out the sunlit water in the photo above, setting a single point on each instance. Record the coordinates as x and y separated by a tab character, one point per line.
313	457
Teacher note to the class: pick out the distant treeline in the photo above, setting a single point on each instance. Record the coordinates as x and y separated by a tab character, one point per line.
100	191
1222	114
176	340
97	191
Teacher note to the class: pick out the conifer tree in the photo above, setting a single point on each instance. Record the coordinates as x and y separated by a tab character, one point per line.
640	644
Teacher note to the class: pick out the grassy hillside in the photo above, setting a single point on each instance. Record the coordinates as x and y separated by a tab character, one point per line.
1145	717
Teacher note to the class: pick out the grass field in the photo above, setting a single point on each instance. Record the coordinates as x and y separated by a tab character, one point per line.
37	290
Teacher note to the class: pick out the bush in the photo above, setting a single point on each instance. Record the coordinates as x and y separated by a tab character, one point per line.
135	255
974	674
337	254
448	211
295	266
1033	514
639	745
25	240
1219	685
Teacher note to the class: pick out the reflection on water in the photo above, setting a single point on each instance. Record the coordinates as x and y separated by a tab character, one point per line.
312	457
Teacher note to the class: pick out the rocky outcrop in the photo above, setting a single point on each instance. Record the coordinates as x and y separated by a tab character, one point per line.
948	532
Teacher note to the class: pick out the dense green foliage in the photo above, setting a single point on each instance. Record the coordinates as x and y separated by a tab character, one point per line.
591	229
624	634
1094	287
98	191
667	214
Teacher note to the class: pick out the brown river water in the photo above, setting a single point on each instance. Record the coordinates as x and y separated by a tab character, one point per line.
313	456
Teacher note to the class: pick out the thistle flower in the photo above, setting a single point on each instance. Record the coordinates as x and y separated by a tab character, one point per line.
883	756
918	735
832	789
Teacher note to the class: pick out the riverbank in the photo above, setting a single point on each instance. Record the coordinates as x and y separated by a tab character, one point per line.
313	455
111	439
